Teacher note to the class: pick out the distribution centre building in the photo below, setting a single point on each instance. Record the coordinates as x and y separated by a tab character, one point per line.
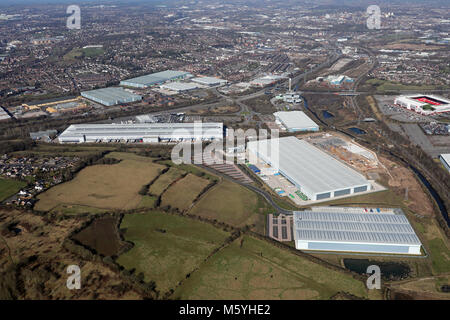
355	230
111	96
445	159
179	86
209	81
295	121
155	78
143	132
315	173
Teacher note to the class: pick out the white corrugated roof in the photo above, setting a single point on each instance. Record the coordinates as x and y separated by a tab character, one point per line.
144	129
446	157
310	167
158	77
179	86
354	227
295	119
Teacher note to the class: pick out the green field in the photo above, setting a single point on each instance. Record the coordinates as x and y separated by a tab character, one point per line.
42	150
167	247
257	270
384	198
104	186
230	203
79	53
164	180
181	194
383	86
9	188
440	256
73	209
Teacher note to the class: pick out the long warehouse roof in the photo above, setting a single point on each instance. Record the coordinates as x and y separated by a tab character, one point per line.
213	128
111	95
295	119
361	227
309	166
158	77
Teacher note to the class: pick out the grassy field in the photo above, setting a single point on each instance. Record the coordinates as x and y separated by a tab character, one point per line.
383	199
230	203
164	180
181	194
63	150
9	187
148	202
73	209
440	256
255	269
167	247
80	53
103	186
383	86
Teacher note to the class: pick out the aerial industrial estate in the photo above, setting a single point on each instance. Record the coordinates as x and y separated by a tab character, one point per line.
284	149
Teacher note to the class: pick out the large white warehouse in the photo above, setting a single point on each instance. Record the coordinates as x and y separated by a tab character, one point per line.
355	230
144	132
445	159
317	174
155	78
295	121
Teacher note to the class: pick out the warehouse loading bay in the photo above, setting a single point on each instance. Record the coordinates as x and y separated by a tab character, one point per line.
340	148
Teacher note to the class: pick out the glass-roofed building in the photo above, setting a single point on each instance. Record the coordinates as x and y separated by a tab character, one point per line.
364	230
155	79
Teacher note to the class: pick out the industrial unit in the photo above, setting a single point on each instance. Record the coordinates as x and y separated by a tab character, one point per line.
209	81
423	104
355	230
445	159
155	78
315	173
295	121
144	132
111	96
179	86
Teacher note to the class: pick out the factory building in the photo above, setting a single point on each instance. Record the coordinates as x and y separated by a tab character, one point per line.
143	132
295	121
4	115
315	173
210	81
111	96
179	86
423	104
362	230
445	159
155	79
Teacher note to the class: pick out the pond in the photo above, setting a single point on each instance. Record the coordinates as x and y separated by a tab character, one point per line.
327	115
357	130
389	270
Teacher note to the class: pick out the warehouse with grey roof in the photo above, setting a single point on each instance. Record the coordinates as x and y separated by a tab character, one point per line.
155	78
314	172
142	132
295	121
363	230
111	96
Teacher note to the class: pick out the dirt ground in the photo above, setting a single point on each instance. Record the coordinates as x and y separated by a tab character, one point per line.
410	46
401	179
33	262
